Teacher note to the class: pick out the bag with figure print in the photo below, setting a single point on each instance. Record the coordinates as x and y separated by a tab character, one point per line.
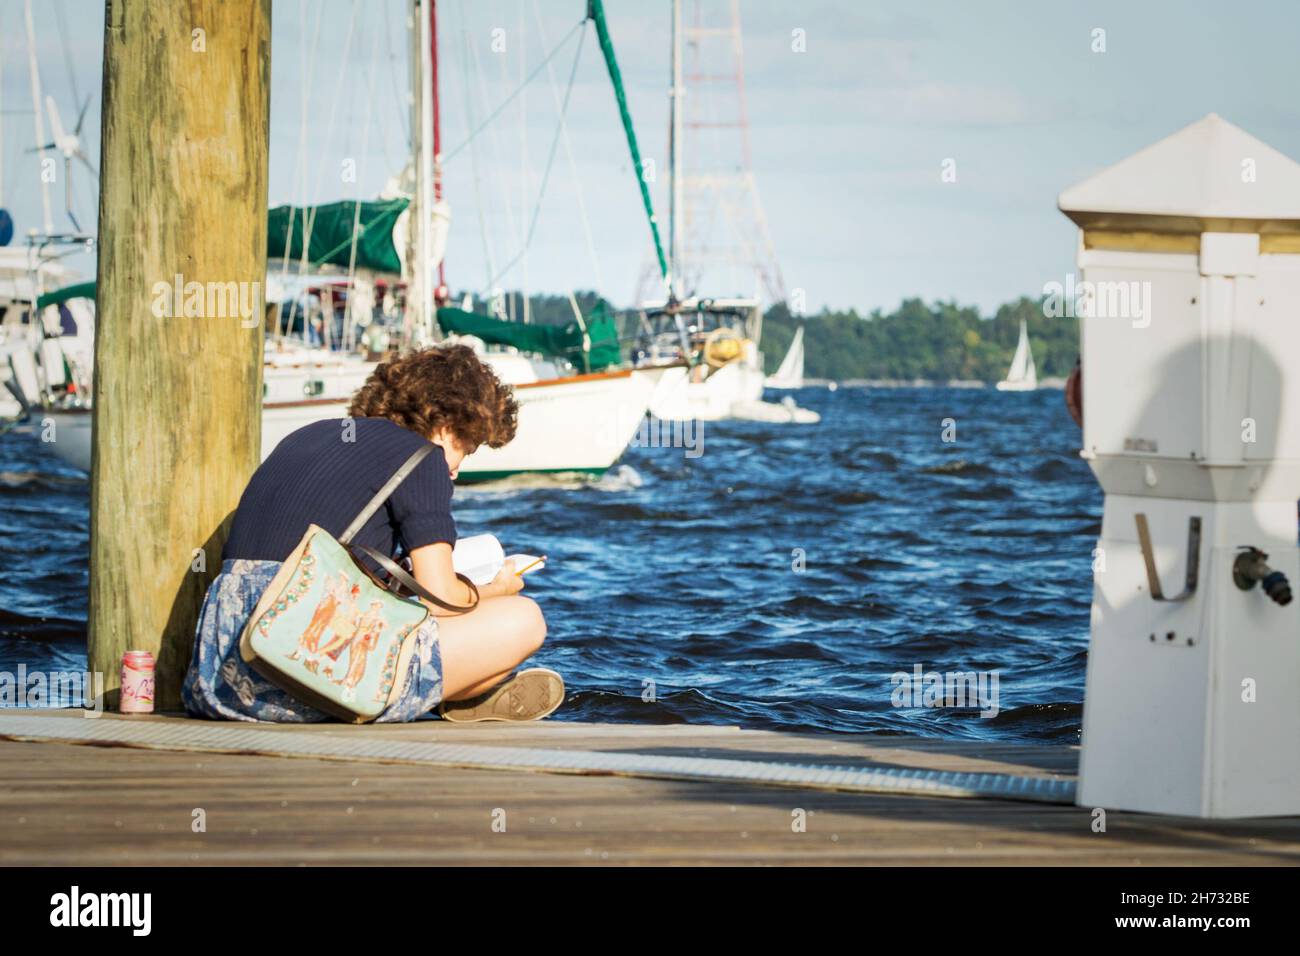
332	633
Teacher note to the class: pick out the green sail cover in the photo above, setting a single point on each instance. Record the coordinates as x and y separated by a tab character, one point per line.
330	228
596	13
557	341
82	290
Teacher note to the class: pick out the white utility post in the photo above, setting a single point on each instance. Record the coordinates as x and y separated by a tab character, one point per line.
1189	258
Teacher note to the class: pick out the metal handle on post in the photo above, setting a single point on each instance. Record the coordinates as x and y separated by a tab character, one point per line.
1193	558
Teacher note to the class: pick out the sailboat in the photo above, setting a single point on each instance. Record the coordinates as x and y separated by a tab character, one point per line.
45	320
581	422
1022	376
790	372
719	338
25	275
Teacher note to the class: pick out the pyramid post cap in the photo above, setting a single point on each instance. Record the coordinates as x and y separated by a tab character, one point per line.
1208	170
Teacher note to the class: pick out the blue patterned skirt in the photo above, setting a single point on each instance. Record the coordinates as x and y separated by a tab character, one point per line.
219	685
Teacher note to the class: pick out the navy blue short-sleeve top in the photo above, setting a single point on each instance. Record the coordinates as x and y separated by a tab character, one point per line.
325	472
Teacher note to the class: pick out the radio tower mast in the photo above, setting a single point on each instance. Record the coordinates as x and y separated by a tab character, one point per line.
726	248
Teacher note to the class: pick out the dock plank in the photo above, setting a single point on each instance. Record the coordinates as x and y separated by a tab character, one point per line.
62	803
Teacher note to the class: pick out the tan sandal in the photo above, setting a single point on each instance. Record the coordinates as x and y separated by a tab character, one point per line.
528	695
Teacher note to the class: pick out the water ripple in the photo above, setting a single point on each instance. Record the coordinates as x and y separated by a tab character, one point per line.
779	580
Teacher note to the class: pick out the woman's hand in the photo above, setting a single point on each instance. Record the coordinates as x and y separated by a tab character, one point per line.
505	583
432	567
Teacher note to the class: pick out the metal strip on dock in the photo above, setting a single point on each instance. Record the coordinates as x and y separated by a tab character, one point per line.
198	736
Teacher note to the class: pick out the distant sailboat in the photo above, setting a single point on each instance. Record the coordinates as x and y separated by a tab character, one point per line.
1022	376
790	374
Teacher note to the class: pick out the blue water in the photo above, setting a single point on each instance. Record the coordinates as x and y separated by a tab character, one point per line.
671	590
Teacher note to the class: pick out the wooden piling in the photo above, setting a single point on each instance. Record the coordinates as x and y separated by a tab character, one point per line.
177	397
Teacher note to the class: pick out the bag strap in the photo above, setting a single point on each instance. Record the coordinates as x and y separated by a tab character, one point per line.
397	575
383	493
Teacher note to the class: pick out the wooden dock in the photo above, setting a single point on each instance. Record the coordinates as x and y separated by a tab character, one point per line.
62	803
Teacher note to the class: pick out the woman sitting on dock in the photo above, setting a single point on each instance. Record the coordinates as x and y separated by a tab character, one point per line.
323	474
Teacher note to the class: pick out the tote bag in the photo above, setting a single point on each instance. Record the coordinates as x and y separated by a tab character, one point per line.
332	633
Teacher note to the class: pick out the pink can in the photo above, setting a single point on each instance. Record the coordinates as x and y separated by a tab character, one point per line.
137	683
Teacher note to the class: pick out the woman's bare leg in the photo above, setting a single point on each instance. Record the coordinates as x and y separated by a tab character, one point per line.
481	647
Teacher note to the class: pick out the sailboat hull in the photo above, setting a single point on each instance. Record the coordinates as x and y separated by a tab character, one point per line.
581	424
714	398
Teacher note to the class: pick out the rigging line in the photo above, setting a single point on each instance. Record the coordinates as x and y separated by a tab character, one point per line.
550	159
497	134
67	53
519	89
523	163
348	319
338	95
76	101
568	152
488	257
596	12
309	217
306	70
399	95
494	158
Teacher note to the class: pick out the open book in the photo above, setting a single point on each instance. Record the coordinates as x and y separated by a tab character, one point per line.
481	557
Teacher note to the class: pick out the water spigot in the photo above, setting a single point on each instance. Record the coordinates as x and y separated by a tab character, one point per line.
1252	566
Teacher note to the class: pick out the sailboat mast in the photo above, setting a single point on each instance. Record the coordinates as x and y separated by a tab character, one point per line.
675	159
409	262
440	292
422	299
426	174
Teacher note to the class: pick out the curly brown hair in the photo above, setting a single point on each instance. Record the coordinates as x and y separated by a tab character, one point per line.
441	386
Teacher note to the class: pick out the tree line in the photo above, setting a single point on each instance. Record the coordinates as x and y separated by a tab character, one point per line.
938	341
941	341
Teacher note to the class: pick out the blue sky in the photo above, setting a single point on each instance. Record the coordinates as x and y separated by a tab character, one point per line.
848	138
